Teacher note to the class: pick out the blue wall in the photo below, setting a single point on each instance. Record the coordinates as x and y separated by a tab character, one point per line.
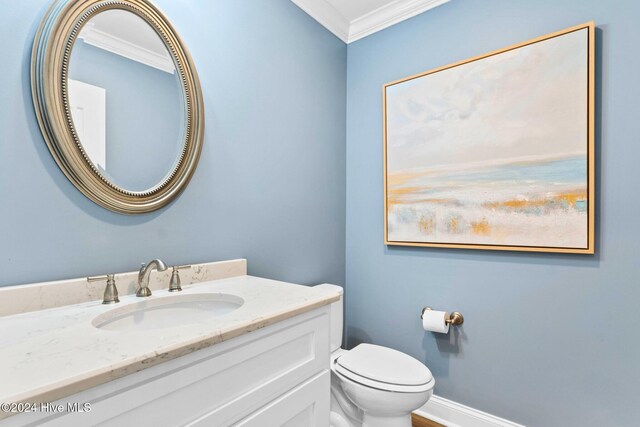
271	180
549	340
145	115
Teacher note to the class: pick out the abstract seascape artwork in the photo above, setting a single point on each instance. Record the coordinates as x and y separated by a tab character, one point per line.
495	152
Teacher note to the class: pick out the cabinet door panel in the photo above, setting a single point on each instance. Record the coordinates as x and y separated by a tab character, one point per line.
305	406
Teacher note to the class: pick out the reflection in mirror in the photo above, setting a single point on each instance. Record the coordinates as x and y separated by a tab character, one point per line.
126	100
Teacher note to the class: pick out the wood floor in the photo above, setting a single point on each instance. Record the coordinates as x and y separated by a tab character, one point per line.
417	421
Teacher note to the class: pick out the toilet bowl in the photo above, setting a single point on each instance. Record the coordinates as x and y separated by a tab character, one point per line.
371	385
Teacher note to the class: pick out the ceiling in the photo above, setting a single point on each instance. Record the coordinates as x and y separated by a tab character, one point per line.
352	20
353	9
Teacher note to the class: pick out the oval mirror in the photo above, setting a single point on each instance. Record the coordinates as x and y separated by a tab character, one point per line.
118	101
126	100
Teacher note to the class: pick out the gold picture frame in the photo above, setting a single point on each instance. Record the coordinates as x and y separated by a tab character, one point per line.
408	227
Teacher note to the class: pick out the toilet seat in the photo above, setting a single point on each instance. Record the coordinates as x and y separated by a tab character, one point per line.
383	368
397	388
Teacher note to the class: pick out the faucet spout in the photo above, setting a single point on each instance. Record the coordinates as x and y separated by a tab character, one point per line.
143	276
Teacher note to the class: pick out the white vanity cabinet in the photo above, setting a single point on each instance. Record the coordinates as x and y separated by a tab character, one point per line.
274	376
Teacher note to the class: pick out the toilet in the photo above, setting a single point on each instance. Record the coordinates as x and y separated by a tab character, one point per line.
371	385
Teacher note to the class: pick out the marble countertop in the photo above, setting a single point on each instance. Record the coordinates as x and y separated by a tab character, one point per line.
50	354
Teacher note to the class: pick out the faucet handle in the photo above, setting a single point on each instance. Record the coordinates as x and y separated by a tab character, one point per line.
174	283
110	291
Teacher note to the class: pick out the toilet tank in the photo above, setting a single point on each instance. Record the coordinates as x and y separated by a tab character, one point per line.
337	314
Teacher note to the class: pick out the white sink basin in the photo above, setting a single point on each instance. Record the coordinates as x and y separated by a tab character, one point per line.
167	312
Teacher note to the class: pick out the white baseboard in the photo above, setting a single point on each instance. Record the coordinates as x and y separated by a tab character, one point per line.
452	414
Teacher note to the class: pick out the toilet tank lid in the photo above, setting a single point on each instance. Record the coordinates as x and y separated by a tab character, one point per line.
330	287
385	365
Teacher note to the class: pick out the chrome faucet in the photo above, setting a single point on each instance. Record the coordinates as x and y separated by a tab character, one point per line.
143	276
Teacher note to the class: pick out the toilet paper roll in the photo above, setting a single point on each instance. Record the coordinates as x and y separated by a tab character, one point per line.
434	321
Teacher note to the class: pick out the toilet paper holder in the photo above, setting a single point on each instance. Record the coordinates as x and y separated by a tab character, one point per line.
456	318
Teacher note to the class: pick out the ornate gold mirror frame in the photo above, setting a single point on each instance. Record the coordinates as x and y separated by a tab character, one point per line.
49	69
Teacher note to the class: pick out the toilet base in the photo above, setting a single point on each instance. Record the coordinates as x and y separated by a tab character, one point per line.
344	413
374	421
340	419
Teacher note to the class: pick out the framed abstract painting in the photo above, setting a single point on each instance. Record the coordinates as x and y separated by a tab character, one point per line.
497	151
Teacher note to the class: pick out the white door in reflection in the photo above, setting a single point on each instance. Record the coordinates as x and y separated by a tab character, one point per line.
88	109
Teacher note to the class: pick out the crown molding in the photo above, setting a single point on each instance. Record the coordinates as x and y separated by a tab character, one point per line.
118	46
327	15
376	20
389	15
